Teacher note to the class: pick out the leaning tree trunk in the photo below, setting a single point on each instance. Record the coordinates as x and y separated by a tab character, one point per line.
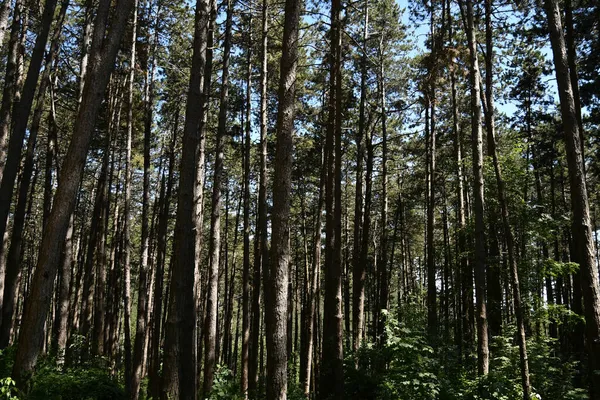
31	334
277	295
582	228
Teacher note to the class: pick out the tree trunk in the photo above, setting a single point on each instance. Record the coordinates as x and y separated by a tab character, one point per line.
210	327
582	229
359	268
179	370
277	295
246	288
508	234
483	356
143	306
261	256
332	356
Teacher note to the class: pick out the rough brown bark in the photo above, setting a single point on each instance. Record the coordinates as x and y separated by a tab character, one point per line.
581	223
277	294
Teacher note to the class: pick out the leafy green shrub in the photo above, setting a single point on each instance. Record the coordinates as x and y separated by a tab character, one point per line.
8	390
225	386
93	383
404	367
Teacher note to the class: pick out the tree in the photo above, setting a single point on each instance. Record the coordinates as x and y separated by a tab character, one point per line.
581	224
277	295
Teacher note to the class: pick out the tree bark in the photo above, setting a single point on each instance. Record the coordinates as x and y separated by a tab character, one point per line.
332	377
581	224
483	356
143	306
277	295
210	327
359	268
246	288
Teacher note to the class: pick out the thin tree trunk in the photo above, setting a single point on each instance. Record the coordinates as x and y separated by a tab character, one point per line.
246	288
143	305
508	234
210	327
483	356
331	385
359	268
261	256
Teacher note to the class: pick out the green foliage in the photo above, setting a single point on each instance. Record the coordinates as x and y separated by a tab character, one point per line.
402	368
91	381
8	390
94	383
225	386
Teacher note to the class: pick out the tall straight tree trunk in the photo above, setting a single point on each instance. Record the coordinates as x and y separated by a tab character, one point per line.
311	313
508	233
246	287
179	370
582	227
383	260
261	256
163	222
432	317
359	268
483	355
143	291
127	209
20	115
104	51
210	326
332	377
277	294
